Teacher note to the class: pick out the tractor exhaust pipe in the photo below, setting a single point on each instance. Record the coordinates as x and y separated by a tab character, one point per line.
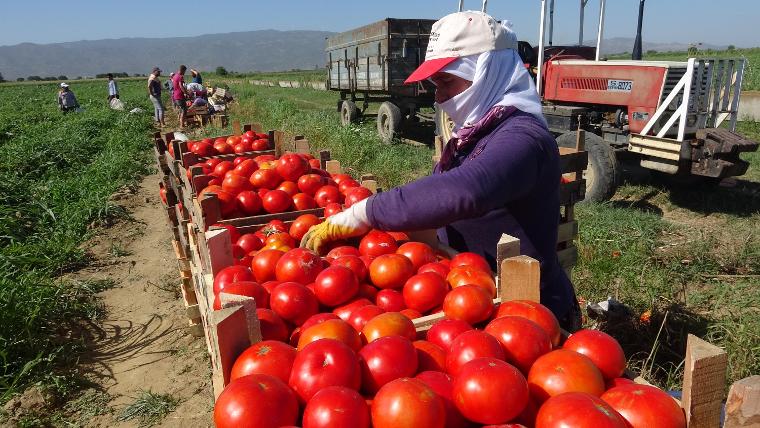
636	54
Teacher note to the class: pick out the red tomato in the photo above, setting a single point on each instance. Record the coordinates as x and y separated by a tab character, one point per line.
162	194
302	201
268	357
227	202
601	348
293	302
327	195
234	140
468	303
246	167
435	267
418	253
288	187
354	263
443	332
407	403
264	263
339	178
314	163
360	317
465	275
202	149
564	371
229	275
377	243
248	202
249	243
265	179
578	409
291	166
234	232
523	340
260	144
369	291
443	385
425	291
221	169
411	313
390	300
212	163
618	381
272	326
318	319
430	356
242	147
324	363
388	324
256	401
299	265
386	359
235	184
535	312
244	288
469	346
472	260
302	224
356	194
238	160
332	208
336	285
276	201
336	406
390	271
645	406
341	251
310	183
344	312
331	329
490	391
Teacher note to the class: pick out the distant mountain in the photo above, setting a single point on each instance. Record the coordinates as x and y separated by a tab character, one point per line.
265	50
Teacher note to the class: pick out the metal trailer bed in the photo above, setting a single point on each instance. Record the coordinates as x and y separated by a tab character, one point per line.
370	64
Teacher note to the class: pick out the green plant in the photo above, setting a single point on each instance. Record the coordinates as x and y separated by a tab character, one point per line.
148	408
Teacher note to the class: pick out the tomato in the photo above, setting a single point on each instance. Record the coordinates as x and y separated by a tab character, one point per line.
443	385
235	184
245	167
242	147
470	345
288	187
256	401
293	302
425	291
411	313
472	260
418	253
221	169
336	285
162	194
336	406
443	332
618	381
331	329
351	262
435	267
264	263
234	232
244	288
645	406
201	148
229	275
376	243
265	179
468	303
239	159
310	183
302	201
212	163
227	202
260	144
248	202
490	391
302	224
268	357
388	324
344	250
368	291
327	194
318	319
299	265
561	371
344	312
361	316
390	271
332	208
430	356
356	194
386	359
465	275
276	201
339	178
291	166
535	312
523	340
233	140
272	326
274	226
390	300
578	409
249	243
601	348
324	363
407	403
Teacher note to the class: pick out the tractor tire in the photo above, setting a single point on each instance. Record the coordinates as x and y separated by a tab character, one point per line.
388	122
443	125
603	172
349	113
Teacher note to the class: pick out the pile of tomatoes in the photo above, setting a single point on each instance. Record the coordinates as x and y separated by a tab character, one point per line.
249	141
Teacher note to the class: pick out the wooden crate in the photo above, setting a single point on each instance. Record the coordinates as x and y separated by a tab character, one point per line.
192	309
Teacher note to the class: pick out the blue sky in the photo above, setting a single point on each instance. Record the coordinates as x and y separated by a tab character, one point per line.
686	21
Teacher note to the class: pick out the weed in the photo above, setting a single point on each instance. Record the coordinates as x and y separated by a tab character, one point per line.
149	408
117	250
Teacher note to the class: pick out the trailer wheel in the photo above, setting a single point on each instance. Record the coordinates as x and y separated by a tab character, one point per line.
603	173
388	122
349	113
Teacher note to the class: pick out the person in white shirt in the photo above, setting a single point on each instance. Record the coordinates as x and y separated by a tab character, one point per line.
113	88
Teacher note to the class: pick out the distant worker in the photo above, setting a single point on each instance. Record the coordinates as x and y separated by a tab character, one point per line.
113	88
154	92
196	76
179	97
168	83
67	101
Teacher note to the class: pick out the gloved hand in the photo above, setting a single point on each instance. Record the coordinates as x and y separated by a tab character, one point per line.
349	223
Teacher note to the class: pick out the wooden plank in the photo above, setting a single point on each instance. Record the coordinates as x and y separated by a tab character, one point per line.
568	257
572	192
566	232
324	156
257	128
704	381
370	184
219	247
743	404
333	167
520	279
508	246
302	146
572	161
226	332
236	127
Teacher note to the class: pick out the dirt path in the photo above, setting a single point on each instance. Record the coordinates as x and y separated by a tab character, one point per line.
143	344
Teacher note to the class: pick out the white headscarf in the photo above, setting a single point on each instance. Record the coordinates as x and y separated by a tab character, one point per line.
498	78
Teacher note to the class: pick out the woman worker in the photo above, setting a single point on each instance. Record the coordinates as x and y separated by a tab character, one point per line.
499	174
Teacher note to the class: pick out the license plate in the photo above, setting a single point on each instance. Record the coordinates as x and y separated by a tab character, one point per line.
619	85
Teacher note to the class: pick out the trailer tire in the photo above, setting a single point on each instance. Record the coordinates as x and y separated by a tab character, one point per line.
603	173
349	113
388	122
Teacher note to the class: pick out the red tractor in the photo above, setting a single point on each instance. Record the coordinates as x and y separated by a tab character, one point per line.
678	118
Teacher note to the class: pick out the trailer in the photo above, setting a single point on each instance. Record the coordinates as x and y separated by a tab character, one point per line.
370	63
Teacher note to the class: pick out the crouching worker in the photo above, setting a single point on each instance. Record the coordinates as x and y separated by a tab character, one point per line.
67	101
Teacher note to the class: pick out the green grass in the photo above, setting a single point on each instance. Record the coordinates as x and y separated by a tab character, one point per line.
148	408
56	175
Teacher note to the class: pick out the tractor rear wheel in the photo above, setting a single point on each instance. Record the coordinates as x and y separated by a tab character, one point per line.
349	113
388	122
603	172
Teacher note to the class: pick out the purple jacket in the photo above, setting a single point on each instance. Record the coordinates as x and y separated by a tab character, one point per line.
507	182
